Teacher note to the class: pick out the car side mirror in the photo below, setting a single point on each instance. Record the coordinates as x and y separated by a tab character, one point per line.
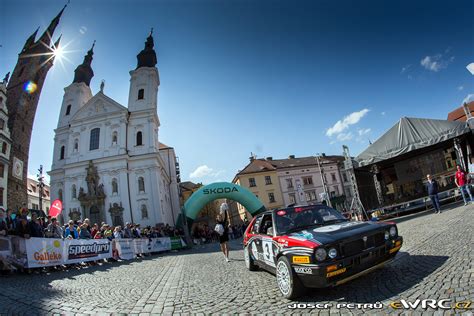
270	231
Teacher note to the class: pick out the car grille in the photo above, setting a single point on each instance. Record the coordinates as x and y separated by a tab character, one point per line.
356	246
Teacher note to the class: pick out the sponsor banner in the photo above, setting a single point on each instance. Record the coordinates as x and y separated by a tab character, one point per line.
160	244
5	247
44	252
82	250
177	243
125	250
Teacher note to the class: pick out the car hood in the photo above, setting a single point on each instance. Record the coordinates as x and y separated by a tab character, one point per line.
341	231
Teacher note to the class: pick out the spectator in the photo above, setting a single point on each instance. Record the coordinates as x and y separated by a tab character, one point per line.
3	223
118	232
461	182
54	230
23	228
98	235
127	231
94	230
84	232
71	232
108	232
36	228
11	222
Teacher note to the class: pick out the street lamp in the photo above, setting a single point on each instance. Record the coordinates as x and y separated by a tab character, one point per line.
40	185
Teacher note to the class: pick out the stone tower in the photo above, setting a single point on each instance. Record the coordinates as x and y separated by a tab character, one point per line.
23	93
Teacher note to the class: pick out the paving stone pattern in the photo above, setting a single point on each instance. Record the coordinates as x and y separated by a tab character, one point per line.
436	262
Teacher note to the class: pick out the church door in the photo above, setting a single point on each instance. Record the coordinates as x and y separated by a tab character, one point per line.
95	215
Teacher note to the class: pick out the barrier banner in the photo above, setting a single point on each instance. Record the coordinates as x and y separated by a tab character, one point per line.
5	247
82	250
125	249
44	252
19	257
177	243
160	244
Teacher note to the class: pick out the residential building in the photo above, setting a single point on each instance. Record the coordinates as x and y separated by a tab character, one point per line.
34	194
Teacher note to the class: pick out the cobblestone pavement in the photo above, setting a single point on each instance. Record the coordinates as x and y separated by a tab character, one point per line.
436	262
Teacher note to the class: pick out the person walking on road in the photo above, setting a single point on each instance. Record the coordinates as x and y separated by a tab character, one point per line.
461	182
222	228
433	193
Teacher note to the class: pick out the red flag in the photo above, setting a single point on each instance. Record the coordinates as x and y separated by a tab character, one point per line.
56	208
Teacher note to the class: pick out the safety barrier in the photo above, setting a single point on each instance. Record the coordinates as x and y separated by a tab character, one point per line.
44	252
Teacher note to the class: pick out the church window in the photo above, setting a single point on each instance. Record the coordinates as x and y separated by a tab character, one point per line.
2	124
114	186
139	139
144	211
94	142
141	184
4	148
1	100
141	94
114	138
76	145
68	110
1	196
73	192
2	170
60	194
61	155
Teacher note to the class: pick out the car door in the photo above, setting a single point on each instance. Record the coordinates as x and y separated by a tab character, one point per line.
255	242
268	249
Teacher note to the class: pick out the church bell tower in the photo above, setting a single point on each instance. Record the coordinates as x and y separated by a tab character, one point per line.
23	93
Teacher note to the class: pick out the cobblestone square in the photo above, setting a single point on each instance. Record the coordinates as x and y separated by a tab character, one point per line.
436	262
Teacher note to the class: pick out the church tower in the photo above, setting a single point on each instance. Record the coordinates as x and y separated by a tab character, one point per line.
142	102
23	93
78	92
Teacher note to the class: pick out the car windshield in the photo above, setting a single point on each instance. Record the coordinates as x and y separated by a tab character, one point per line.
293	219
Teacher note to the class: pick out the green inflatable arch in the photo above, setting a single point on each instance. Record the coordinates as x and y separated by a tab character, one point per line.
221	190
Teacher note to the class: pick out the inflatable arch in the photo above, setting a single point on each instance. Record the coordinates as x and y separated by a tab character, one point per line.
221	190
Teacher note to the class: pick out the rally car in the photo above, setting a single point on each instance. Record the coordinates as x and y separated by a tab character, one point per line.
316	246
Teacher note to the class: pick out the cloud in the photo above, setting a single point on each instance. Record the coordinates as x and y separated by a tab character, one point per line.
383	113
460	88
405	69
347	121
469	98
205	171
344	136
436	62
470	67
364	131
83	30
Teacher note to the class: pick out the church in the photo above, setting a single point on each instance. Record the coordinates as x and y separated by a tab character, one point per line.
108	163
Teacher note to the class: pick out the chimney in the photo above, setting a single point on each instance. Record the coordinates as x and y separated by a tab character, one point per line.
251	158
269	158
291	157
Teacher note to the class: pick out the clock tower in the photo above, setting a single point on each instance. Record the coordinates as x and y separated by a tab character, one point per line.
23	93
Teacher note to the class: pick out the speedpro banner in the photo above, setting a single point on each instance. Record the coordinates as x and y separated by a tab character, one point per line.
82	250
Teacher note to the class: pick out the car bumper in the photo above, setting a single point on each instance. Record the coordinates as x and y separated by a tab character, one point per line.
340	271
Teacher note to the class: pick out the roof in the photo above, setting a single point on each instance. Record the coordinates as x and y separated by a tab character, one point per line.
265	165
188	185
163	146
459	115
410	134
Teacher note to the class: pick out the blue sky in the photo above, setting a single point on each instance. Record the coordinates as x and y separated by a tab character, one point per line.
273	78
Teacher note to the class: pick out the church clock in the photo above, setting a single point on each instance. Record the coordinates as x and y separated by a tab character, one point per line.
17	168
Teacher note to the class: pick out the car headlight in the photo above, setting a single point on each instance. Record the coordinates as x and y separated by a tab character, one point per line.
332	253
393	231
387	235
321	254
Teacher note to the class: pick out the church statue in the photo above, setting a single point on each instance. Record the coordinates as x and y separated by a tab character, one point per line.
81	192
7	76
100	190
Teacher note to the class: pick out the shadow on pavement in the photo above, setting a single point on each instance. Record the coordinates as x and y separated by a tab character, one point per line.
405	272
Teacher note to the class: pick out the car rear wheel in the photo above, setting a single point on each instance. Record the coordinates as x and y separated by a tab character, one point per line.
288	282
249	263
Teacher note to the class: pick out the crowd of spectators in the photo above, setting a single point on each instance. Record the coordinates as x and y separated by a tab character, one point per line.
28	225
203	234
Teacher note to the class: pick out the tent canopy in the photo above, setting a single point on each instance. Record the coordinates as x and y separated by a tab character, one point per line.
410	134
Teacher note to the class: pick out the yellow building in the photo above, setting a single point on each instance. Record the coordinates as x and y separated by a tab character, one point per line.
260	177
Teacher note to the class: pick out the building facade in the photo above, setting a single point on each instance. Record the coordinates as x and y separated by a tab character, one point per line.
23	93
5	140
34	194
108	164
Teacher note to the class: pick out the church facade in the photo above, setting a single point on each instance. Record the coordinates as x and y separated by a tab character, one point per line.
108	164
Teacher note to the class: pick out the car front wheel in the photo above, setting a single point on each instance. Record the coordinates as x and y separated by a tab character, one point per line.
249	263
288	282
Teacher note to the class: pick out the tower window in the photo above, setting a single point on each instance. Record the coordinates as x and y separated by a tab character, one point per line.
1	196
21	71
76	145
114	186
139	139
2	170
114	138
141	184
141	94
61	156
94	141
68	110
4	148
73	191
2	124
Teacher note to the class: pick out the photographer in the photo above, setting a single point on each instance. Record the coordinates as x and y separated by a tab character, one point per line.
54	230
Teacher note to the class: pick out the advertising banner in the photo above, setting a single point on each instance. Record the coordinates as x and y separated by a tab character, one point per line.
125	249
5	247
82	250
44	252
177	243
160	244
